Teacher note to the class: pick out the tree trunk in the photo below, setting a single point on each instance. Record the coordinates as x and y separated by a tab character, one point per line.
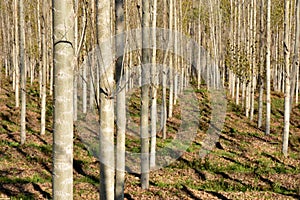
171	60
43	71
260	73
17	56
286	44
154	84
63	25
75	79
295	69
237	95
121	98
268	68
107	168
23	71
164	80
146	54
253	78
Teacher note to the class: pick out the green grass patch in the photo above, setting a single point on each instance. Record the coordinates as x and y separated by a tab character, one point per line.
133	145
277	103
224	153
47	148
8	143
87	179
235	167
194	147
220	185
36	178
23	197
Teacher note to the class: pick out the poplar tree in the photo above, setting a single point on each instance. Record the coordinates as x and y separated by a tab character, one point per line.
268	68
146	54
63	26
286	44
106	131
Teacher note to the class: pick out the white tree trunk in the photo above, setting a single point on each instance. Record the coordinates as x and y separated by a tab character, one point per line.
260	73
237	95
43	71
107	166
253	78
171	62
164	82
23	71
121	104
295	70
268	68
154	79
63	25
145	97
17	56
287	78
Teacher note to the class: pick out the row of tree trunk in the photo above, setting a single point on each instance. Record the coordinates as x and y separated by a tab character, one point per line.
252	57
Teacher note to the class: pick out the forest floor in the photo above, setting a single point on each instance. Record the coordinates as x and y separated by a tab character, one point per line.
245	164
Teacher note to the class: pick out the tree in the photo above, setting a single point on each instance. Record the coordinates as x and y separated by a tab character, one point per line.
261	69
154	85
106	135
171	60
121	98
63	25
164	78
295	72
23	72
145	96
16	55
44	72
268	67
253	54
286	44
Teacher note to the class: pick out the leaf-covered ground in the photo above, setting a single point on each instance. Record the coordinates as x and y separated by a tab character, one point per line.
246	164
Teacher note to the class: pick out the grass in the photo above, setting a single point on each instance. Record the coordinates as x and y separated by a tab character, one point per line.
23	197
35	178
87	179
221	185
9	143
245	164
45	148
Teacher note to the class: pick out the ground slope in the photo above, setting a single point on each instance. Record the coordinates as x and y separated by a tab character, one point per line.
245	164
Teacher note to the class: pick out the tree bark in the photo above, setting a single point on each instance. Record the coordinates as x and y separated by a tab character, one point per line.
268	68
154	85
253	78
286	44
121	98
17	56
23	71
43	71
146	54
63	24
171	61
164	80
295	69
260	73
107	164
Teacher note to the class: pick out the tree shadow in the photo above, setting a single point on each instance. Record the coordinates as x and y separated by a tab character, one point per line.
46	195
190	193
20	189
220	196
279	188
78	167
273	158
27	155
128	196
200	174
